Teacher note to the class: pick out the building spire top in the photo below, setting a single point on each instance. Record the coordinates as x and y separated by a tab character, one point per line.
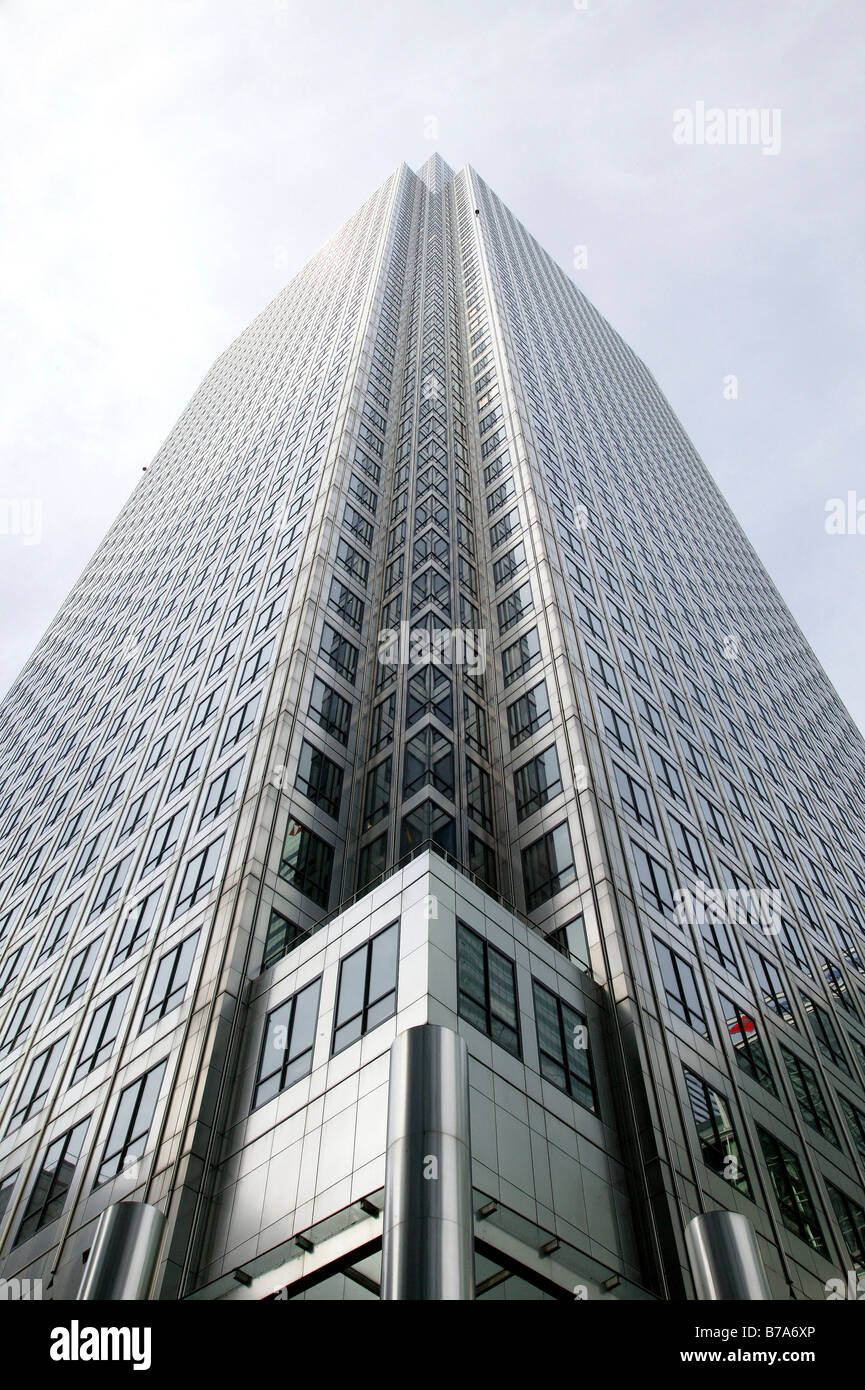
435	173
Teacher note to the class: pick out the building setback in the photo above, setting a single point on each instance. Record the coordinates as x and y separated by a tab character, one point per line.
432	859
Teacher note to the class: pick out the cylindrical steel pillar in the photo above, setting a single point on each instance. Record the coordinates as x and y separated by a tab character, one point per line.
124	1253
428	1234
725	1257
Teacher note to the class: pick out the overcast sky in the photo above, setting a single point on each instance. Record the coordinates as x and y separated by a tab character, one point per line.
166	165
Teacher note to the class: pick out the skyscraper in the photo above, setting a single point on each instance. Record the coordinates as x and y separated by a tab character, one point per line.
433	860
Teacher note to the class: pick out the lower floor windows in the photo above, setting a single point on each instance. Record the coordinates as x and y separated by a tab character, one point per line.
366	993
289	1037
130	1129
716	1132
487	989
53	1181
851	1219
791	1192
563	1045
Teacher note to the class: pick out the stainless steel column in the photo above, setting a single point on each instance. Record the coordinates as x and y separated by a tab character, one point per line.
725	1257
428	1234
124	1253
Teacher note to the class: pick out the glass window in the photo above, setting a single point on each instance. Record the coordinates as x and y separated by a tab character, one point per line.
715	1130
56	1171
563	1045
680	987
479	796
634	797
654	881
851	1219
198	877
429	761
806	1089
856	1122
427	822
58	929
771	987
570	939
529	713
537	782
791	1192
37	1083
239	722
487	989
372	860
330	710
339	653
221	793
522	656
7	1187
78	973
515	607
825	1033
187	768
111	885
744	1035
716	941
347	604
130	1129
548	865
282	935
366	993
101	1034
170	981
377	796
163	841
134	927
287	1047
306	862
21	1018
319	778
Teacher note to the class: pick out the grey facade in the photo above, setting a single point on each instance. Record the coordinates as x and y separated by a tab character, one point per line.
427	679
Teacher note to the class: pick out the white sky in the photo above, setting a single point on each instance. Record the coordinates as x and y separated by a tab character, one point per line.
166	165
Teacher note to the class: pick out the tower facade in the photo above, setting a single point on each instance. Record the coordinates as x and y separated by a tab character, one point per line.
427	685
